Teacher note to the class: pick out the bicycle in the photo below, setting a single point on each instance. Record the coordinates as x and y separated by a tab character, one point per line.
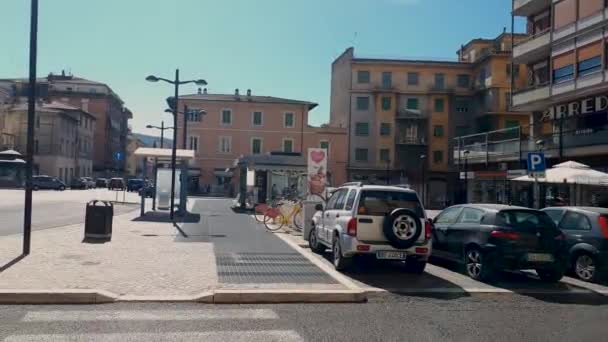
276	218
261	209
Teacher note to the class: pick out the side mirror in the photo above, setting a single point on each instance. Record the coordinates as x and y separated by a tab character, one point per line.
319	207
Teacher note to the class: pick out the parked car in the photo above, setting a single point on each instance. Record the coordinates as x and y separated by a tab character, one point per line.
91	184
134	185
490	237
47	182
383	221
79	183
116	184
101	183
586	230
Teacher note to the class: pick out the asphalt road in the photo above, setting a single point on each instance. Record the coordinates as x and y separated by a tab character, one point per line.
385	318
47	214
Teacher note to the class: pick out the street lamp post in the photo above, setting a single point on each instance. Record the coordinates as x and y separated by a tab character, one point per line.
423	180
31	117
466	176
162	129
540	145
176	82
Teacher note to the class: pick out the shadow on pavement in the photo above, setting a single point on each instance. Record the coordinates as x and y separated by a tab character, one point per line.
163	217
392	277
11	263
527	283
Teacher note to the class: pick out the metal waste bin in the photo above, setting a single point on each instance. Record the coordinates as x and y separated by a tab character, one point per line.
98	221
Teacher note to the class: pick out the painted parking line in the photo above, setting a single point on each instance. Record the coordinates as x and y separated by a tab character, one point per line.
207	336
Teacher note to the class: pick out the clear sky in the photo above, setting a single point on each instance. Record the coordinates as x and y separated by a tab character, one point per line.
275	47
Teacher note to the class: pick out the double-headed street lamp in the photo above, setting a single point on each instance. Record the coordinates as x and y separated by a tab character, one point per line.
176	82
162	129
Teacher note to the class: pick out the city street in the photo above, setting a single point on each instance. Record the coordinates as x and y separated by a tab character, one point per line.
55	208
385	317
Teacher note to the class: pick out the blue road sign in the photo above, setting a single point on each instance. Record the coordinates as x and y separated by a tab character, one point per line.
536	163
118	156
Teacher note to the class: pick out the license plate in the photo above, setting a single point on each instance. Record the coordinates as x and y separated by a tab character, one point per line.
391	255
540	257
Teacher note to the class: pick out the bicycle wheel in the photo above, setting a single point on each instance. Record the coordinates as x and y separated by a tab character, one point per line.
274	220
298	219
260	211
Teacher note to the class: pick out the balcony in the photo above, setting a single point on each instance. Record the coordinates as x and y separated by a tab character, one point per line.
410	140
524	8
526	99
411	114
534	48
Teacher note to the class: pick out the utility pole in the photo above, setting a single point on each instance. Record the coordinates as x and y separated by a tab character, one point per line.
185	142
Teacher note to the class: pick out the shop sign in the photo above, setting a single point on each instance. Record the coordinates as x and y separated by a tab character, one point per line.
591	105
317	170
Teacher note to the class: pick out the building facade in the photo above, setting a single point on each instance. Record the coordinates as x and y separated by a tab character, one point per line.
566	88
402	115
110	135
243	124
64	138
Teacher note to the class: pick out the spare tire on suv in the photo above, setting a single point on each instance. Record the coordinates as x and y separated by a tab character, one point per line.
402	228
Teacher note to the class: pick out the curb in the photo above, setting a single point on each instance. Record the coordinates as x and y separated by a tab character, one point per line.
257	296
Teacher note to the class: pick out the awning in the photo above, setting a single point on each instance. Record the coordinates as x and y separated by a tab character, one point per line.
12	161
570	172
164	154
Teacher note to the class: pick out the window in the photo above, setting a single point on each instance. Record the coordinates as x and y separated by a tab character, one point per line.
287	145
448	216
340	200
412	78
590	66
412	103
563	74
439	105
470	215
352	195
256	146
385	128
439	81
385	154
575	221
362	76
256	118
387	79
554	214
288	120
225	145
438	131
193	143
524	220
361	154
324	144
386	103
437	157
463	81
226	117
362	103
462	106
362	129
379	203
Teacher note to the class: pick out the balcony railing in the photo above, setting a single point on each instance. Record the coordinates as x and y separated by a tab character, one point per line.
410	140
414	114
533	48
531	94
526	8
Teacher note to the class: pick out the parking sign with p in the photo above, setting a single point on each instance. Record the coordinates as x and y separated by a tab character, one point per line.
536	164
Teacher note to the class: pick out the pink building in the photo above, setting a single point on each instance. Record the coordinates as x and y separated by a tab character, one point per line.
241	124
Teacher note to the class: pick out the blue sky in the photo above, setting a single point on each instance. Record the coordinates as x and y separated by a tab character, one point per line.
275	47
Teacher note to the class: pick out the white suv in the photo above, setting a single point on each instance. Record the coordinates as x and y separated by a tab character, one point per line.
386	221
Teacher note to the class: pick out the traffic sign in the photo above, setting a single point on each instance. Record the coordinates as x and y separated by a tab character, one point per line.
536	164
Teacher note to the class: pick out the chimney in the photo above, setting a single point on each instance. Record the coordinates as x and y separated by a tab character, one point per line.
504	29
205	91
200	90
236	92
248	92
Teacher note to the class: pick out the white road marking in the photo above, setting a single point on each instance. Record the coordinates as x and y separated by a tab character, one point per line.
208	336
134	315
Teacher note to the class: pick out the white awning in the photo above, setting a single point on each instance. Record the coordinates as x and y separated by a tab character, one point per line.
570	172
164	153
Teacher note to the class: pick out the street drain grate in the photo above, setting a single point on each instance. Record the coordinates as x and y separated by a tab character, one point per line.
243	268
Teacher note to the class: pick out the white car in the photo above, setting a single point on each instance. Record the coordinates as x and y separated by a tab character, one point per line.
388	222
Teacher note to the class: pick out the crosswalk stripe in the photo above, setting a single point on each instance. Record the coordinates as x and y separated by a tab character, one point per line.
207	336
158	315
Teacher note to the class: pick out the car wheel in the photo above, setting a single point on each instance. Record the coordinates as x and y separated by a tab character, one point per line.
550	275
402	228
585	267
476	266
61	188
415	266
340	262
36	188
313	242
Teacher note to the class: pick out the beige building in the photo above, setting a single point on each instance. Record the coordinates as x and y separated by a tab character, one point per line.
134	164
63	145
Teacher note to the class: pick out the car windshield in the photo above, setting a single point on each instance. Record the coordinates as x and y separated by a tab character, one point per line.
525	220
382	202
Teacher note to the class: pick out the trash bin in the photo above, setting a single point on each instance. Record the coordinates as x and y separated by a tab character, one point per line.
98	221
